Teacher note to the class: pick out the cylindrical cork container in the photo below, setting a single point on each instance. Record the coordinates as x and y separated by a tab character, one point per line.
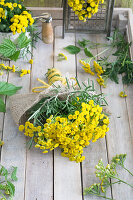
47	30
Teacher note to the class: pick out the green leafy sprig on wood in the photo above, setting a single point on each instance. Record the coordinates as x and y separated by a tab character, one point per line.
72	49
6	89
108	176
121	65
7	177
11	50
34	34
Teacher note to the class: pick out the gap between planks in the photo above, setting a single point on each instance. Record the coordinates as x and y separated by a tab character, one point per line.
13	151
119	139
39	172
2	115
95	151
67	175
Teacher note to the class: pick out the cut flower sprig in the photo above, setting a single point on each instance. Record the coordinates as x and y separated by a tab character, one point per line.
105	174
7	179
13	69
87	63
123	63
96	68
61	56
70	123
122	94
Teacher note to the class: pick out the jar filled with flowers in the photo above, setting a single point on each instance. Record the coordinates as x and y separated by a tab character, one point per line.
15	19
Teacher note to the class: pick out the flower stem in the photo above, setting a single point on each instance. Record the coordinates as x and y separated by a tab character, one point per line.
90	59
102	52
101	196
122	181
127	170
106	185
3	195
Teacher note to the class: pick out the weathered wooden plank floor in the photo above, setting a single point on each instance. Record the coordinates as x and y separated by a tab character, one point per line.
50	176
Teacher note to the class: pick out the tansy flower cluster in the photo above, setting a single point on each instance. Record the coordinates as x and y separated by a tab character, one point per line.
123	94
84	8
87	67
21	22
98	69
31	61
100	80
14	69
71	133
2	14
24	72
14	16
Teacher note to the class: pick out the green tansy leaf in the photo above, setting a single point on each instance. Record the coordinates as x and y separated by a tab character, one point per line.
8	88
2	187
13	175
83	43
23	41
88	53
2	106
114	77
15	56
72	49
11	188
7	188
10	49
4	172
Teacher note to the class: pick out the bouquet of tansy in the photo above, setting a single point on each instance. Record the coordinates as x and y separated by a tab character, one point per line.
68	117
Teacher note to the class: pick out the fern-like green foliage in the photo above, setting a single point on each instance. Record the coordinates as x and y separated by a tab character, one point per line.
34	34
11	50
7	188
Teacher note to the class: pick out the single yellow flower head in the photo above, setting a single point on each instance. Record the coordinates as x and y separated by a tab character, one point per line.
31	61
1	73
15	5
13	68
21	128
1	142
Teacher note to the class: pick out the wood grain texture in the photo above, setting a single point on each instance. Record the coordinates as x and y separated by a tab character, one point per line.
67	177
95	151
48	177
119	140
14	150
124	4
129	104
39	169
4	78
43	3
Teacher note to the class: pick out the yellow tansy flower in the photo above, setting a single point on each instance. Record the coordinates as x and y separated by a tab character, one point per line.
31	61
122	94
